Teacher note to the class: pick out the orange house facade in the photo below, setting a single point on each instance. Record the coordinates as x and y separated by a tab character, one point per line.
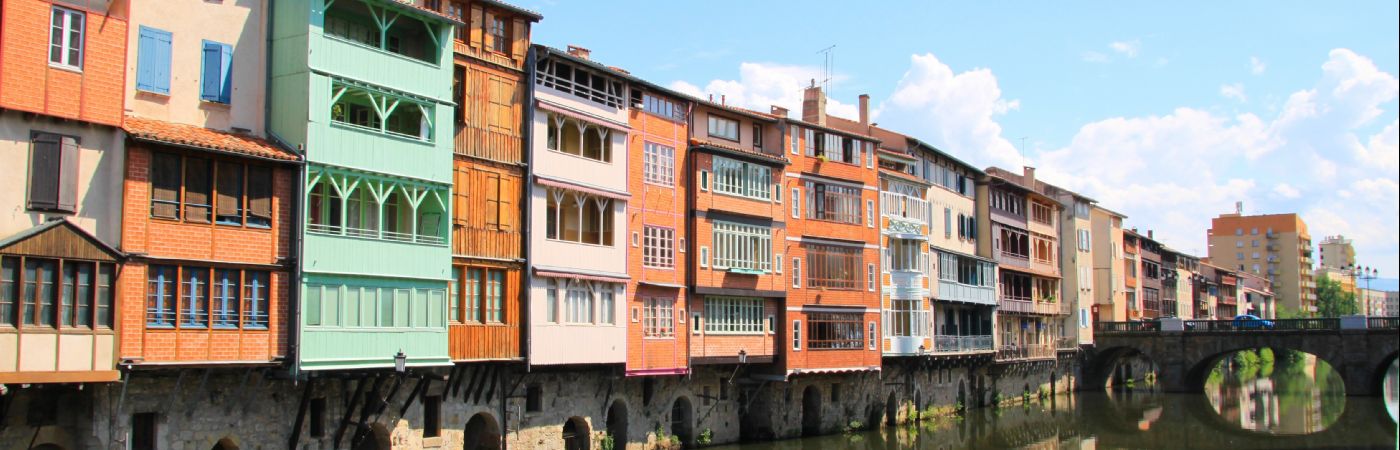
657	343
739	224
60	108
832	321
486	304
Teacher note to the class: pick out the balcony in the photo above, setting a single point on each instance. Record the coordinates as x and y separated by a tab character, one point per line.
1067	343
962	344
403	54
955	291
1014	259
907	285
1026	306
904	207
1028	352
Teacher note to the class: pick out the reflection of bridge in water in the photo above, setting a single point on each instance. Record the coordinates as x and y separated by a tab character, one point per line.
1170	421
1186	350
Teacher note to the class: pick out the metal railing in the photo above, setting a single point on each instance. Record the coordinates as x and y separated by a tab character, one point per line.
960	344
1016	305
1383	323
1243	326
1033	351
1067	343
1127	327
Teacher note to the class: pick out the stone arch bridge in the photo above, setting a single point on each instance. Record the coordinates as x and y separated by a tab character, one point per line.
1359	349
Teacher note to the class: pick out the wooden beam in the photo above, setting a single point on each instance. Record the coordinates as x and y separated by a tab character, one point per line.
476	392
495	381
398	382
349	409
361	429
417	390
301	416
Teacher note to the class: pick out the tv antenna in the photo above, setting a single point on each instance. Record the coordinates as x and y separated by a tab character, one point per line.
828	63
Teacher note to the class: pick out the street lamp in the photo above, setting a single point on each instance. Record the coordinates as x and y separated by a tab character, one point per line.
400	362
743	356
1363	273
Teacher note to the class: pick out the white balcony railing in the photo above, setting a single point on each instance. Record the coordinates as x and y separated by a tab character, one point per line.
962	344
903	206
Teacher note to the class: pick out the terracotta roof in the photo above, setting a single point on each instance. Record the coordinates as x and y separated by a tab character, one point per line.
534	16
191	136
904	176
425	11
736	151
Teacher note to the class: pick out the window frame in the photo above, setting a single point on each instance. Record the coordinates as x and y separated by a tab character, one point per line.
182	314
658	247
658	164
712	120
65	160
247	215
66	30
734	316
741	247
659	318
833	258
743	179
833	331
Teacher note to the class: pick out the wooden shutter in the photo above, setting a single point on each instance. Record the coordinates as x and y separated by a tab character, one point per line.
489	36
165	185
197	190
225	73
210	82
506	194
519	42
476	27
153	61
229	191
260	194
45	163
68	174
461	183
493	199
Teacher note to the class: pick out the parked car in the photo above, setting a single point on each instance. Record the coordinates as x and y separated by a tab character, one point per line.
1252	322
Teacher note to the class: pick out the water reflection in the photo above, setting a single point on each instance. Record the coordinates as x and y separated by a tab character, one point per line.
1293	393
1391	391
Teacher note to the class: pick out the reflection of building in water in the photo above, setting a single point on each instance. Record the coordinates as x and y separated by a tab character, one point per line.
1260	406
1391	391
1281	404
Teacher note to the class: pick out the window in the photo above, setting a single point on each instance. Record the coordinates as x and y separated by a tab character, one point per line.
796	203
795	141
870	278
458	10
551	299
481	298
380	112
578	138
833	267
1084	241
871	336
534	398
578	302
317	427
143	431
226	300
904	255
153	60
194	298
704	181
241	193
797	335
499	35
757	136
835	331
607	304
833	203
1239	244
796	272
658	164
967	227
658	317
256	287
53	172
663	107
580	82
578	217
500	216
734	315
658	247
742	247
66	38
723	128
432	416
216	73
351	305
362	24
742	178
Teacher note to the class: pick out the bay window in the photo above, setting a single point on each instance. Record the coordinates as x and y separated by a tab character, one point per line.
578	217
733	315
833	267
743	179
743	247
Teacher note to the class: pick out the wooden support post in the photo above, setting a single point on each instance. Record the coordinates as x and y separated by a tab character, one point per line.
361	429
349	409
398	381
491	389
417	390
301	415
481	383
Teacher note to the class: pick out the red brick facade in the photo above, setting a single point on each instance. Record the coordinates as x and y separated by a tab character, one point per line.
28	82
168	242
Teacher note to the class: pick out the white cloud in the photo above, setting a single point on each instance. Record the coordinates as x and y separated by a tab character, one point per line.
761	85
1257	66
1233	91
1129	48
1286	191
1094	57
952	110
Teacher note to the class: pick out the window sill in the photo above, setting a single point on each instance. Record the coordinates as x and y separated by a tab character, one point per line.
483	324
742	196
215	103
735	333
31	209
65	67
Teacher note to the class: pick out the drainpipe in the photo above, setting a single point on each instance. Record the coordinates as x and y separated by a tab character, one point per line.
293	328
527	115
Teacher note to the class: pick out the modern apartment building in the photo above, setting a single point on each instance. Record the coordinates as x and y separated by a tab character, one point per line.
486	302
209	207
1110	286
1276	246
738	230
578	248
832	312
1024	228
368	102
61	93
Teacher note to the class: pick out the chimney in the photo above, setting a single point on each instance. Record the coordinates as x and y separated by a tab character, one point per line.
1239	208
1028	176
814	105
779	111
721	99
1149	234
579	52
865	110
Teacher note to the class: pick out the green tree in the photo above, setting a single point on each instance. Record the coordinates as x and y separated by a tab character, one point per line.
1332	301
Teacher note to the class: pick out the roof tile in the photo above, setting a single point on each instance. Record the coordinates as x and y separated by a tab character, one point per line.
160	131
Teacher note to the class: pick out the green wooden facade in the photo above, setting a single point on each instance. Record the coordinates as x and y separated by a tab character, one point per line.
363	88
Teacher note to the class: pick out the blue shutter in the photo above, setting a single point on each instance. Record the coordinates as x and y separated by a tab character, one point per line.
226	73
153	61
209	80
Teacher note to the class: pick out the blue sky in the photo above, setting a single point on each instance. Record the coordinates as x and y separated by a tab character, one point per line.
1167	112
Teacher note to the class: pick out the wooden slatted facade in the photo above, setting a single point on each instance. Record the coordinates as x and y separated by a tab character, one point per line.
488	179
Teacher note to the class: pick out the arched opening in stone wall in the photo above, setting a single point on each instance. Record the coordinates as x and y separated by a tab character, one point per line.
755	416
617	423
481	433
1267	390
962	394
225	444
811	411
892	409
682	420
576	434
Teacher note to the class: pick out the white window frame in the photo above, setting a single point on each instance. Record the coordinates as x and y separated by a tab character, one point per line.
724	125
659	318
796	203
797	272
742	246
72	19
797	335
742	179
734	315
658	247
704	256
870	277
578	302
872	337
869	213
659	164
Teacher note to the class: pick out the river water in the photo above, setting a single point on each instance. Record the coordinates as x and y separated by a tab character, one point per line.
1293	403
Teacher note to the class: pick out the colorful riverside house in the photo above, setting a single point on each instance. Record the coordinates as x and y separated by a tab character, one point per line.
1109	286
657	342
61	149
486	306
1024	239
739	230
208	201
578	202
1076	264
832	313
364	89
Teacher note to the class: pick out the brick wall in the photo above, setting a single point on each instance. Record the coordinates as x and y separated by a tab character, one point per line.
29	83
656	205
203	245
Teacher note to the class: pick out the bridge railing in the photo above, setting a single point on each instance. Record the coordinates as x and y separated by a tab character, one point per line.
1035	351
1383	323
1127	327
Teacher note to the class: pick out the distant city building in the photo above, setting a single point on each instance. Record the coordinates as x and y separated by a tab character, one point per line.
1275	246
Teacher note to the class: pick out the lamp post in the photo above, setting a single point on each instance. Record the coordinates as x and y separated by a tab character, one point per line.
1363	273
400	362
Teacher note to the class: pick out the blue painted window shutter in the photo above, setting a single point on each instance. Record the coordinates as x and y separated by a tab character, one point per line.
216	81
153	61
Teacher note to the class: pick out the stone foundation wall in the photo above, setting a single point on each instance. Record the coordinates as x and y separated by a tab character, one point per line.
239	409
